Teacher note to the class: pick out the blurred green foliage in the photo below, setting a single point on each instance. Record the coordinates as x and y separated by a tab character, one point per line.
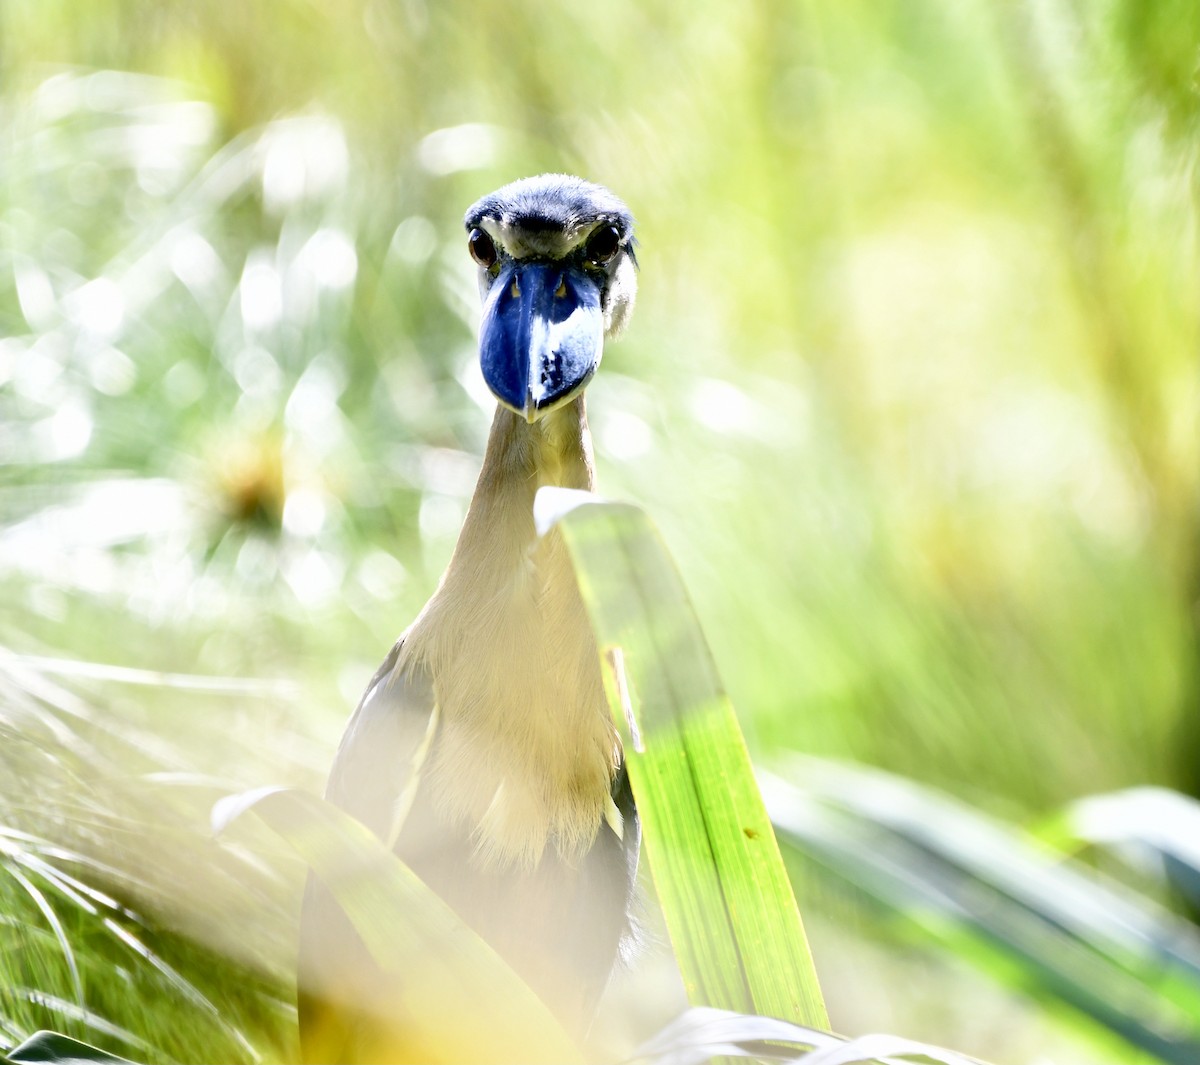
911	388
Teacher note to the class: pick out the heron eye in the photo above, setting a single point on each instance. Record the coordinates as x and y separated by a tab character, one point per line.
483	251
603	245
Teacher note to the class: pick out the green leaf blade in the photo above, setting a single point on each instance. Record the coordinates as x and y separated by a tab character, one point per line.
460	1001
725	893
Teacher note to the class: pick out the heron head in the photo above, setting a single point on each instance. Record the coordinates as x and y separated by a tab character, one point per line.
557	276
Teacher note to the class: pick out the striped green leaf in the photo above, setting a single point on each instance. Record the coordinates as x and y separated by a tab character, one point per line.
725	894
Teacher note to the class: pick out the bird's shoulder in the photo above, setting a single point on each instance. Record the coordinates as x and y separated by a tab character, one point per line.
385	738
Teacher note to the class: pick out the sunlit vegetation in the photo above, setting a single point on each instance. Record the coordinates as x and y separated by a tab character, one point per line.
911	393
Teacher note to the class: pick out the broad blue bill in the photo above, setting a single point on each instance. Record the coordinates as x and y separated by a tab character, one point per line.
542	335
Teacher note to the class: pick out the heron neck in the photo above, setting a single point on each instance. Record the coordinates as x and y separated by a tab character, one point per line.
521	457
524	456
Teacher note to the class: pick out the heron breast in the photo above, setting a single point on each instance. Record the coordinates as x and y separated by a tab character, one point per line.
526	751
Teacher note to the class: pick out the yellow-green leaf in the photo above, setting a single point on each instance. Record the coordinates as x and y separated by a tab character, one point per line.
460	1002
725	894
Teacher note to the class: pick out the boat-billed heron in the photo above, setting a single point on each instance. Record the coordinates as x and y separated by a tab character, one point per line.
483	750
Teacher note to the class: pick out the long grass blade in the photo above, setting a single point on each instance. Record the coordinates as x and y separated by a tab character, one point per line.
700	1035
60	933
1154	829
68	667
728	904
82	1015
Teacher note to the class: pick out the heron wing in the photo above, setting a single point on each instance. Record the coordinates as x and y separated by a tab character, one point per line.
559	925
379	760
373	778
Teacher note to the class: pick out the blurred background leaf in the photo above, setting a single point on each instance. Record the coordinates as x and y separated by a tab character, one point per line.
701	1034
911	392
1049	926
